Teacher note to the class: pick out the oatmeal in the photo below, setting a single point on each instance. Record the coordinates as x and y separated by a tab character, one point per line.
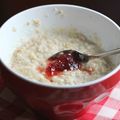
14	29
36	22
30	59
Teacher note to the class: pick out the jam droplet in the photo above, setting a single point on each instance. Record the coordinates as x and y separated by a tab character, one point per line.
40	69
66	60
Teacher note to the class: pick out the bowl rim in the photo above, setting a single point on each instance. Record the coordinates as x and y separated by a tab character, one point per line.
89	83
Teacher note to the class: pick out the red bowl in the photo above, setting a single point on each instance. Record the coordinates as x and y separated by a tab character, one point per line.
56	103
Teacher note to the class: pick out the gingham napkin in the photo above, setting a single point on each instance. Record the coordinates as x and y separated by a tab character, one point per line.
104	107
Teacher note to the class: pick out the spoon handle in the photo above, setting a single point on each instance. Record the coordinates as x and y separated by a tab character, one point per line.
107	53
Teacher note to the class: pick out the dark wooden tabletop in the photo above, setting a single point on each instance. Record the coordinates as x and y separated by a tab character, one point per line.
110	8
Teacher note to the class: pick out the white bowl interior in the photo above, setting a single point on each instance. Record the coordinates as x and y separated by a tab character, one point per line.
85	20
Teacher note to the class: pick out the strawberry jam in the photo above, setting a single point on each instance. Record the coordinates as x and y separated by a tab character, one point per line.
68	60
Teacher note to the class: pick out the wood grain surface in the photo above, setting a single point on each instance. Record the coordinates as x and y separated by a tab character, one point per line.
110	8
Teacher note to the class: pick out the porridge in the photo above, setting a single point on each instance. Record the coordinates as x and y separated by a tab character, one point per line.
31	58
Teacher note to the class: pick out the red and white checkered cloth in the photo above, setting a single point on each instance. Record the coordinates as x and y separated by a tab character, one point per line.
104	107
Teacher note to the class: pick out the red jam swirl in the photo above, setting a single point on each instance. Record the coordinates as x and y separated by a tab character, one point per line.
67	60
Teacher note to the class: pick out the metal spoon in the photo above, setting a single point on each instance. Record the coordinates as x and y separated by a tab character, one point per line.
104	54
84	58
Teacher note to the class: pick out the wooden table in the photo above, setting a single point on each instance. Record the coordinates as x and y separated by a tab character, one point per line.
110	8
